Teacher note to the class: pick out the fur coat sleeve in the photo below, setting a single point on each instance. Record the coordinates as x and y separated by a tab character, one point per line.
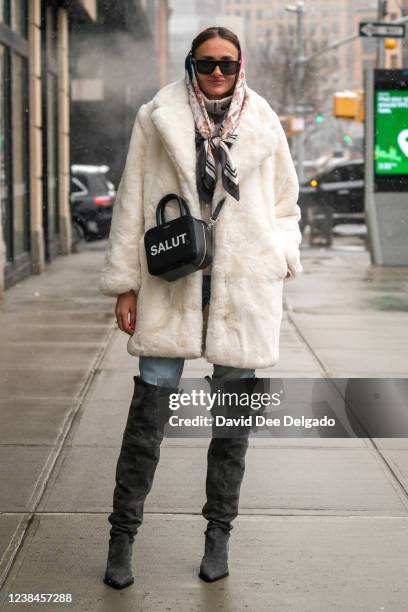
287	211
121	270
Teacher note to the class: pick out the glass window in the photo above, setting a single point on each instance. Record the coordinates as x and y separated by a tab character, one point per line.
100	183
394	60
333	177
4	186
83	179
76	185
19	147
346	173
18	16
356	172
51	32
52	161
50	140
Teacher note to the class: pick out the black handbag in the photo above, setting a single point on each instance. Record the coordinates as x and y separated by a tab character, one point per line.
183	245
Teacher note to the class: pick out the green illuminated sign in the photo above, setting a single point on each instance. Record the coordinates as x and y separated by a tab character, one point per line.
391	131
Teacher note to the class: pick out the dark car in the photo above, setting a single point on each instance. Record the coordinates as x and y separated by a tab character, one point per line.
92	197
338	191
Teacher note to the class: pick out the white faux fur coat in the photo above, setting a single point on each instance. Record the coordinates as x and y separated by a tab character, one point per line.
256	239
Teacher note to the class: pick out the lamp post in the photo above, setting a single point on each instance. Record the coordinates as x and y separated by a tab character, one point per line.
299	10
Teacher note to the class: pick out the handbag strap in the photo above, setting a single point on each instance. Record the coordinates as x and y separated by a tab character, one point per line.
183	206
215	214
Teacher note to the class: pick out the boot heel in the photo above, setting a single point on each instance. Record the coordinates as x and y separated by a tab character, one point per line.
119	566
214	565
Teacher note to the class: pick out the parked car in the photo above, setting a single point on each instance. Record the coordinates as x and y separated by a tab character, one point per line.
338	188
92	197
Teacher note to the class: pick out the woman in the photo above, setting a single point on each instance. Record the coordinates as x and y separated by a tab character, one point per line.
203	137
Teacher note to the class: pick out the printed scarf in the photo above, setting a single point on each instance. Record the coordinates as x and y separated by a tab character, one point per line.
208	143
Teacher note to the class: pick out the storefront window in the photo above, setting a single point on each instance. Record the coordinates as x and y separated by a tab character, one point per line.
52	170
14	149
18	17
19	139
3	177
50	122
51	32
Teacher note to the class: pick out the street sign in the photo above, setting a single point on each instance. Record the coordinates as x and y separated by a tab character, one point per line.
375	29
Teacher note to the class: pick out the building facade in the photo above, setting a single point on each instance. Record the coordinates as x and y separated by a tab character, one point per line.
158	13
34	133
115	66
325	21
404	12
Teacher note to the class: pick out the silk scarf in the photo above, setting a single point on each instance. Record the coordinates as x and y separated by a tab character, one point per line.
208	143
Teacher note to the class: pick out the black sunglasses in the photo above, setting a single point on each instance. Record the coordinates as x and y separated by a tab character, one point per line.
207	66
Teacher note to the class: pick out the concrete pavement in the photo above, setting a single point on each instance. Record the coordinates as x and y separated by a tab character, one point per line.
323	523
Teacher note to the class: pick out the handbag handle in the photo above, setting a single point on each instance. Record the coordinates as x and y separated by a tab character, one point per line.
183	206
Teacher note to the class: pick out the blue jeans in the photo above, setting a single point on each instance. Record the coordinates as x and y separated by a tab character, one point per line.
171	368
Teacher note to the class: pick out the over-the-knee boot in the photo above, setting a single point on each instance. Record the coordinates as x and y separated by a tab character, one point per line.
136	466
225	472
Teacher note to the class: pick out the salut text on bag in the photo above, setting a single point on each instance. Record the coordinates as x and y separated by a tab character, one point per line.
183	245
167	245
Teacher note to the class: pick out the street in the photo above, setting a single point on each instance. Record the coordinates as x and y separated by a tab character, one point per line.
323	523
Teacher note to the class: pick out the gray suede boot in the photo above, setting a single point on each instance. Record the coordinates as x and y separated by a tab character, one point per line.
214	564
225	472
136	466
119	565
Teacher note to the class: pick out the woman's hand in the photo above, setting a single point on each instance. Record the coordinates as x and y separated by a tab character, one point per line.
125	306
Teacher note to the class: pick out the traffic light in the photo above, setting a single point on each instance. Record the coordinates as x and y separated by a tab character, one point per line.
349	105
390	43
347	138
319	118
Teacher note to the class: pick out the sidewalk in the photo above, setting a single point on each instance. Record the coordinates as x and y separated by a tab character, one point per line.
323	522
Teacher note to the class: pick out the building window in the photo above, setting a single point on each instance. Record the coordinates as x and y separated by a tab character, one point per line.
18	17
4	183
52	155
394	60
14	144
13	13
50	123
19	148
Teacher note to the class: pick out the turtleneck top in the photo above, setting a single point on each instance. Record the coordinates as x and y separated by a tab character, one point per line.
216	110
